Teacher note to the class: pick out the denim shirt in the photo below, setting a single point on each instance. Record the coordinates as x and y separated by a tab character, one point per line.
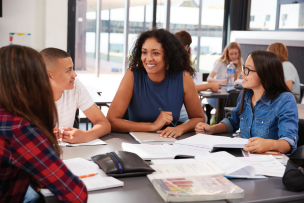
275	119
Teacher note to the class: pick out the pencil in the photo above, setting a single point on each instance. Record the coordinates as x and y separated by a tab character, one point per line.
89	175
160	110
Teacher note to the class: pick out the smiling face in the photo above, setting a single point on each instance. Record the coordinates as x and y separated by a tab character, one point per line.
153	57
252	80
233	55
63	76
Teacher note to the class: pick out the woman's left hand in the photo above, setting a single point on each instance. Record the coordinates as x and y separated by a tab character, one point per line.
258	145
170	132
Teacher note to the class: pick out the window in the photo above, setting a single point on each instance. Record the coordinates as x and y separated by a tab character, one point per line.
276	14
264	14
267	18
292	16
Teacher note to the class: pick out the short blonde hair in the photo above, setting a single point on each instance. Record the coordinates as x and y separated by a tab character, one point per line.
280	49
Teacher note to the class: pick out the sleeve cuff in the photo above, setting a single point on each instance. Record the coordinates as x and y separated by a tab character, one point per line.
228	124
292	144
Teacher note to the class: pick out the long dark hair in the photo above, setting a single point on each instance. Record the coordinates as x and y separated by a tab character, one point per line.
270	71
175	53
25	89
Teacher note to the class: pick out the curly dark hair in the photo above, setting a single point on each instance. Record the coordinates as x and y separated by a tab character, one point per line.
175	53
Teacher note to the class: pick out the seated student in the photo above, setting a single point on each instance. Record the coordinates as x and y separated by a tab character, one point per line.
29	151
69	95
266	111
185	39
231	53
290	72
159	77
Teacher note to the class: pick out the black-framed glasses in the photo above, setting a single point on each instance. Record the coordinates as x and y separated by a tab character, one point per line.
246	70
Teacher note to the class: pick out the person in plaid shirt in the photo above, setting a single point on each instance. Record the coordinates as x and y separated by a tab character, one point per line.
29	152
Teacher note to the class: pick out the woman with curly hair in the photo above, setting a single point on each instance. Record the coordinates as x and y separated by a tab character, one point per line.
155	87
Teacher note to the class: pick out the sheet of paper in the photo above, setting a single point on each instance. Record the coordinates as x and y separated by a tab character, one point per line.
90	143
171	161
148	152
229	163
176	150
213	141
265	165
176	170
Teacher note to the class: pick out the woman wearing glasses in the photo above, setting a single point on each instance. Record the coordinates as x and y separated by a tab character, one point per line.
266	111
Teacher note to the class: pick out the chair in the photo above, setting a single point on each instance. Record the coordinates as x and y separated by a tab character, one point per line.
231	101
205	76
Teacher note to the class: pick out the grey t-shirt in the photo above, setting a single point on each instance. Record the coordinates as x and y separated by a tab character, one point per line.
291	73
221	69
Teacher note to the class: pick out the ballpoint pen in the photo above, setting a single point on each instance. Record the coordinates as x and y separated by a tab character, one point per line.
160	110
89	175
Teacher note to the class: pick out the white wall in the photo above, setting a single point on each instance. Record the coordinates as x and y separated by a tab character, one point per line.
268	35
46	20
56	26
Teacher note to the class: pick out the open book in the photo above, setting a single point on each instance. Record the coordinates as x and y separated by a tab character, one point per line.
202	141
195	168
80	167
197	188
165	151
151	138
90	143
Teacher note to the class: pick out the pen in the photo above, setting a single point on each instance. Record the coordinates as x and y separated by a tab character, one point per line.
160	110
89	175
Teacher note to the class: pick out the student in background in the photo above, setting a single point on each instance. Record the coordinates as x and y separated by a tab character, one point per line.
266	111
29	151
69	95
231	53
159	77
185	39
290	72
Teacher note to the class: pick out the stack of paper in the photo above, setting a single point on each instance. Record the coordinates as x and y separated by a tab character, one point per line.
148	152
80	167
202	141
90	143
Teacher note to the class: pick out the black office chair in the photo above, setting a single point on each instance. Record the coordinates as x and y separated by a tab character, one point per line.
205	76
231	101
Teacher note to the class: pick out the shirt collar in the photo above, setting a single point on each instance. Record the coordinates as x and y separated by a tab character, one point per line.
263	99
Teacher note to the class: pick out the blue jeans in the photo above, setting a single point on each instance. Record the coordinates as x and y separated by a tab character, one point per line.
31	196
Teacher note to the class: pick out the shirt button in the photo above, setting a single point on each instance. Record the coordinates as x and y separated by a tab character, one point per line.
262	122
249	126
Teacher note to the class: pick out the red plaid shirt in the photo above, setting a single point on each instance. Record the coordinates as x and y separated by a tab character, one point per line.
25	152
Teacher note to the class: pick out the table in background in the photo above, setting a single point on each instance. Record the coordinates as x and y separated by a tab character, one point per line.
140	190
221	97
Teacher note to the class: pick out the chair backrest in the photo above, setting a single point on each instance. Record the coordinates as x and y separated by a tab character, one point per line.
205	76
232	98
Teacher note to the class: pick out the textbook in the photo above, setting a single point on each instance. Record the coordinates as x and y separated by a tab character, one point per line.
151	138
165	151
83	167
197	188
90	143
188	169
202	141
